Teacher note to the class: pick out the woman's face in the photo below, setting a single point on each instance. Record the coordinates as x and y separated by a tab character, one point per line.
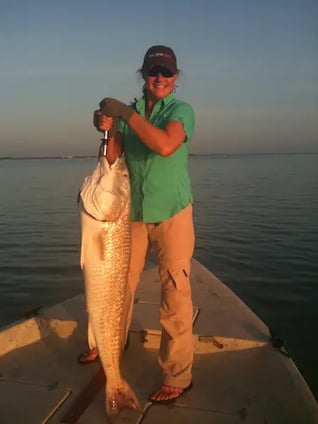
160	82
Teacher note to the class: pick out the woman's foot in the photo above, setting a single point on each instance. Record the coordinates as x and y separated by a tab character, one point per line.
168	393
89	356
92	354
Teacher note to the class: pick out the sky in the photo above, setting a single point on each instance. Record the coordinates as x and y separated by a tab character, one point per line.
249	69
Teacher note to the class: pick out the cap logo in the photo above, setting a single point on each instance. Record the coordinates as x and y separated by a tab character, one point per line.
159	54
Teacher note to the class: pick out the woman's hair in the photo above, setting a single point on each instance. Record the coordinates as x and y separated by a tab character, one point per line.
141	76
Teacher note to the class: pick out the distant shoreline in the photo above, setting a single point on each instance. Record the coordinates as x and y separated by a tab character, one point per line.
44	157
68	157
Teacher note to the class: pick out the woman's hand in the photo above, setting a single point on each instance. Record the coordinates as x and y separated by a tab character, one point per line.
116	109
102	122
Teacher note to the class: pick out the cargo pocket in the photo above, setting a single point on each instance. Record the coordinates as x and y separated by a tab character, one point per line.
180	277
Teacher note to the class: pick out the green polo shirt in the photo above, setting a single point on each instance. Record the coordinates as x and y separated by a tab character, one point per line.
160	186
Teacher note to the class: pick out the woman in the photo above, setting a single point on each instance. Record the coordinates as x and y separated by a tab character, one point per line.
155	134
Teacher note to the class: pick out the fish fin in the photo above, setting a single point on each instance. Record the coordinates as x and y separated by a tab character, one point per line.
121	397
84	248
82	258
82	261
101	242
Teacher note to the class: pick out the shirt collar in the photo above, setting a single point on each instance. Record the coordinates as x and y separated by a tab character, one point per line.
140	104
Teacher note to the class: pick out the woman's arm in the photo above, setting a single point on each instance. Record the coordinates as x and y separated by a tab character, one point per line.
163	141
115	147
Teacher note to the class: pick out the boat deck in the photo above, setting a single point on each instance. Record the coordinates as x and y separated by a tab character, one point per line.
238	376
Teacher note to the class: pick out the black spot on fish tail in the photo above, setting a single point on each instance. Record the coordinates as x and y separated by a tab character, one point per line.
120	398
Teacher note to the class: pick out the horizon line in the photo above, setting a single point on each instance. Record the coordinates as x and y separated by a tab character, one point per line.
190	154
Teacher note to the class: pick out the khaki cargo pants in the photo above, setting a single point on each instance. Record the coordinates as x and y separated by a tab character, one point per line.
173	243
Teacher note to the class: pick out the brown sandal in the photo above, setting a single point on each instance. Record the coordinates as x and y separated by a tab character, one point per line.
89	356
168	393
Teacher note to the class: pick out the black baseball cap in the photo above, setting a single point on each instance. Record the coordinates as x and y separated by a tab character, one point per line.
160	56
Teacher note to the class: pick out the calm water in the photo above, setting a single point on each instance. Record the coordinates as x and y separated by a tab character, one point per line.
256	222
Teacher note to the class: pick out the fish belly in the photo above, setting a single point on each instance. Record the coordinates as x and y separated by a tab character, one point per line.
105	265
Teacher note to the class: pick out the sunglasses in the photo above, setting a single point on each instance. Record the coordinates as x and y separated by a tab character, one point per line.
156	70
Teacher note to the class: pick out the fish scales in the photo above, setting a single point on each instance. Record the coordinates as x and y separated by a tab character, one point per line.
105	256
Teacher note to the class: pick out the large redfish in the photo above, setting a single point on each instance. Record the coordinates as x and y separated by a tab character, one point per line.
105	256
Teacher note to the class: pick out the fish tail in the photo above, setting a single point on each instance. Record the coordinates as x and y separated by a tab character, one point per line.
119	397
